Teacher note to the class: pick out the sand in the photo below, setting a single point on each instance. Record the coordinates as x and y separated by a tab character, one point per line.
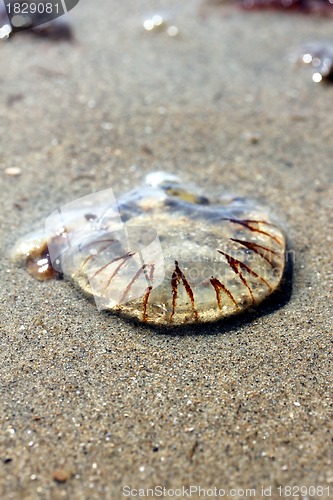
93	405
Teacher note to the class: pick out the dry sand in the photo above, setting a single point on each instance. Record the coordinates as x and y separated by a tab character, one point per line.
94	401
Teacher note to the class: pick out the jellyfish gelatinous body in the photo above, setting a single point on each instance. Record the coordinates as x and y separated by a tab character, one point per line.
163	253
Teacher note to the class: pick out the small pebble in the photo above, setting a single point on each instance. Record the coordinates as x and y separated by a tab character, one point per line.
61	475
13	171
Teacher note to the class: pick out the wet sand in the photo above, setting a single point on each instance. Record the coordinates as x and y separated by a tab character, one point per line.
91	403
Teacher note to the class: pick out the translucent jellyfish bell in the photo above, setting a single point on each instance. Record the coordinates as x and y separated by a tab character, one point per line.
163	253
